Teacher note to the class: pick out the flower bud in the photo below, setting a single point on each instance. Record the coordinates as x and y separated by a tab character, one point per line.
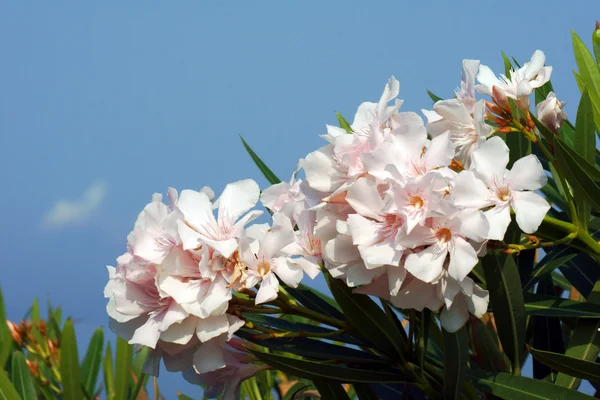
550	112
596	41
15	332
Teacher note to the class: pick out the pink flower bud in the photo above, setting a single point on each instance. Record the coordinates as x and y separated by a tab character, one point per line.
550	112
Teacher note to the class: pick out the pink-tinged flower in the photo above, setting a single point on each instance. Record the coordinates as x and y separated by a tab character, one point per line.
376	233
225	382
155	231
416	200
210	356
369	114
467	131
550	112
307	245
286	198
406	155
489	184
200	226
413	294
466	93
446	236
138	312
266	261
521	82
460	299
177	357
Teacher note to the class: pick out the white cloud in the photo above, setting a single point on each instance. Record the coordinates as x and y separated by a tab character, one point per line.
67	212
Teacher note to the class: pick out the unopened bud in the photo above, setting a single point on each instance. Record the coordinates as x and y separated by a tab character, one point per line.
500	98
33	368
504	130
15	332
41	327
550	112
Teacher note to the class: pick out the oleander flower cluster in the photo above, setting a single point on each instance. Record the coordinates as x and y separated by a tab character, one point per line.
395	206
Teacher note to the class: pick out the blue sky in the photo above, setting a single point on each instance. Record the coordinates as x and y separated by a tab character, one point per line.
102	105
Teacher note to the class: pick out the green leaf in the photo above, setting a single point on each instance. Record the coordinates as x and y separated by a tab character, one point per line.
508	386
123	364
589	71
69	364
424	318
6	342
551	306
541	93
366	317
267	173
507	65
21	377
35	321
316	301
583	272
580	81
364	391
506	297
331	391
596	43
573	167
434	97
140	384
297	388
139	359
544	334
456	358
488	354
343	123
585	145
584	343
588	68
569	365
92	360
107	367
326	372
549	263
181	396
7	390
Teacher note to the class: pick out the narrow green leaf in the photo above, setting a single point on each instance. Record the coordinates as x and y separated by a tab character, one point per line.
541	93
508	386
267	173
456	358
366	317
343	123
580	81
298	388
583	272
507	66
552	306
573	167
69	364
331	391
585	145
315	300
571	366
487	352
139	359
36	318
434	97
506	297
21	377
92	360
548	264
326	372
7	390
424	318
123	364
584	343
544	334
6	342
588	68
140	384
364	391
596	43
109	376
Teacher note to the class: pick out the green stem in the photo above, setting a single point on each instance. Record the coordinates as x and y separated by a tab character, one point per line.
291	306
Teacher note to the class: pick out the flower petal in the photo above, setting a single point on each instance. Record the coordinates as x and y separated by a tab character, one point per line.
527	173
530	209
237	198
427	265
463	259
490	160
